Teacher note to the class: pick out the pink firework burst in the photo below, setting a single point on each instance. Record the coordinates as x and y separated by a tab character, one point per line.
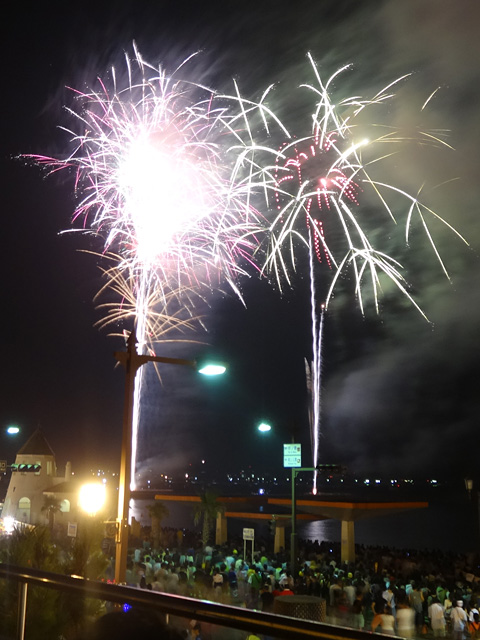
311	167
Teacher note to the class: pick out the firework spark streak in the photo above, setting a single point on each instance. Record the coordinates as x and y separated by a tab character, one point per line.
321	181
157	167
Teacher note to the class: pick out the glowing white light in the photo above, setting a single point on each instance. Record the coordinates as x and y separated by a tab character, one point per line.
212	370
9	524
92	497
264	427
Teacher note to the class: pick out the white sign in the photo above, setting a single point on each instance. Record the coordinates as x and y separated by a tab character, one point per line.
292	455
249	534
72	529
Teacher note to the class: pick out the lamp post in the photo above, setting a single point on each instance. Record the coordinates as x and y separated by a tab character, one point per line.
132	361
293	535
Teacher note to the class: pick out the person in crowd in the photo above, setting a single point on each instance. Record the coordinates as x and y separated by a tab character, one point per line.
416	602
474	626
385	621
389	598
405	618
256	582
357	611
459	620
436	614
217	584
266	599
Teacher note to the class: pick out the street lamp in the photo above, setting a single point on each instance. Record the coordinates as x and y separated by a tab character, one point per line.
13	430
132	361
264	427
92	497
293	535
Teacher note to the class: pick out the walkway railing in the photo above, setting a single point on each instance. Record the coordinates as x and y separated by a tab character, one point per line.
273	625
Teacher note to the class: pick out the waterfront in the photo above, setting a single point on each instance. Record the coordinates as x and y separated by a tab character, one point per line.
450	523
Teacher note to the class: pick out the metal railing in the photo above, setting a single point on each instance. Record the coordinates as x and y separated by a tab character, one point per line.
273	625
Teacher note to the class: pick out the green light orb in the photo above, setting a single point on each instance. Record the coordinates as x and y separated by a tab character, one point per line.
212	369
13	430
264	427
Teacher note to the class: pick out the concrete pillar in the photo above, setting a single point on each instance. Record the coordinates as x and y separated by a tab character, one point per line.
221	529
348	541
279	542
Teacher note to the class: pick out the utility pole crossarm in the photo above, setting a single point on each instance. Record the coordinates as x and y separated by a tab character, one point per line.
123	357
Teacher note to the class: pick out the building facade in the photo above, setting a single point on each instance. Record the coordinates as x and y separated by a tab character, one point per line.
34	480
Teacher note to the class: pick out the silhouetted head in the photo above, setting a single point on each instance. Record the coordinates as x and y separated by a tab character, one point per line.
134	623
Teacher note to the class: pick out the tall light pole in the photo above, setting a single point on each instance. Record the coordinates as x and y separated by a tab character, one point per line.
293	535
132	361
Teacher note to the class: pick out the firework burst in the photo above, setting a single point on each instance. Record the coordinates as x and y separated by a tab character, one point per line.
324	192
154	181
158	164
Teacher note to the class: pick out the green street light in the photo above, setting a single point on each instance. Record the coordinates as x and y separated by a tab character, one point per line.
211	369
264	427
13	430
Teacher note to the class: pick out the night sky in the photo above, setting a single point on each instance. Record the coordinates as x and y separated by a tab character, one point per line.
400	395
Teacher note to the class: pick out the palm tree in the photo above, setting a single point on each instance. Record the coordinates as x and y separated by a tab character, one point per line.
206	512
158	511
51	506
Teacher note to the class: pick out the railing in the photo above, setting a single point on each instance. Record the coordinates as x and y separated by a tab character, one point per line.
281	627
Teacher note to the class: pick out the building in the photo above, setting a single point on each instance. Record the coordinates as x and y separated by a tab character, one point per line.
34	480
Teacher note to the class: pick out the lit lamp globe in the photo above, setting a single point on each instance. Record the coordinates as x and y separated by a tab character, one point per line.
264	427
13	430
92	497
211	368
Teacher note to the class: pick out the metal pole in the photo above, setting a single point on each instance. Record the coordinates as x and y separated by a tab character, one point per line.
131	367
293	535
132	361
22	610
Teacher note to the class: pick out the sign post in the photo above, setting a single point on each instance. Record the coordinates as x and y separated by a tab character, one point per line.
292	457
248	534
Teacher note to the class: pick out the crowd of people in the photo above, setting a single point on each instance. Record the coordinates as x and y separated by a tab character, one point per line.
405	593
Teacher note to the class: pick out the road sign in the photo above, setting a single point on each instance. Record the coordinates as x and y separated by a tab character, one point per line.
249	534
3	466
292	455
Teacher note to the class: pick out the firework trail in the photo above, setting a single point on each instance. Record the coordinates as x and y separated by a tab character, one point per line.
321	182
158	174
